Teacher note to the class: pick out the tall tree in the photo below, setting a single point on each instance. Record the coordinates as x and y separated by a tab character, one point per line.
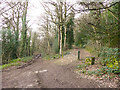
65	25
24	30
59	18
61	25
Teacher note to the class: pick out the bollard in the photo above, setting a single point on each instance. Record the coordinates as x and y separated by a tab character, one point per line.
93	60
78	55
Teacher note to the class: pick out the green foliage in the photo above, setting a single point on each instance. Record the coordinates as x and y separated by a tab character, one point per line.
105	70
81	66
24	43
51	57
91	72
100	28
8	45
89	60
33	46
9	65
16	39
16	62
109	57
56	56
90	49
26	59
83	71
66	53
80	39
70	27
100	71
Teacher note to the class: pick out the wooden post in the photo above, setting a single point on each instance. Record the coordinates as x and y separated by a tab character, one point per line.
78	55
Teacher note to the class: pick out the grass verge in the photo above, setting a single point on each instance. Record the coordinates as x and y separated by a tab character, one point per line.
16	62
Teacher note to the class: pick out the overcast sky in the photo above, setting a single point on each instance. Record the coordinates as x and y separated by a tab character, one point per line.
36	10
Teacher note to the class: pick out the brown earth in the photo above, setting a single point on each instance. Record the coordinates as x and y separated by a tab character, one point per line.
58	73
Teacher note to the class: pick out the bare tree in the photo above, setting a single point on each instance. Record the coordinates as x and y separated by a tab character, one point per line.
59	16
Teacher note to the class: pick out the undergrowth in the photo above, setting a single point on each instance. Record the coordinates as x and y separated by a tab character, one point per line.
55	56
16	62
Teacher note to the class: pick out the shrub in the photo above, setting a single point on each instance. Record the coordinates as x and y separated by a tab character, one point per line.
108	57
90	60
108	70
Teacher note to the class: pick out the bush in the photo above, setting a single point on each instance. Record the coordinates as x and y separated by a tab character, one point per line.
108	57
90	60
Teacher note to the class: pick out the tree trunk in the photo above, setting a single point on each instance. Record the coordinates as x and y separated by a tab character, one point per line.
59	36
65	25
60	40
65	38
61	28
24	31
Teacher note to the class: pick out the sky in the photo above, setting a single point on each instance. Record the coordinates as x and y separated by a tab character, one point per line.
36	11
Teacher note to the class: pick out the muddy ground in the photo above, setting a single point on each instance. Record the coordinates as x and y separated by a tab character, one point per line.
58	73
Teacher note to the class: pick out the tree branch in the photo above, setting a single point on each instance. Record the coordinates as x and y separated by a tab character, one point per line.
94	9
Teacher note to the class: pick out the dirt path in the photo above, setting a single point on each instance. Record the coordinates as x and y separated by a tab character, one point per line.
57	73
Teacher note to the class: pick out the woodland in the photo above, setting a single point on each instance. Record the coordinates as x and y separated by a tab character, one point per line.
93	26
